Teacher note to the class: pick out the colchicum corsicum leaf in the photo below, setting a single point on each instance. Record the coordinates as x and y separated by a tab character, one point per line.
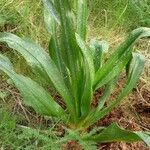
76	70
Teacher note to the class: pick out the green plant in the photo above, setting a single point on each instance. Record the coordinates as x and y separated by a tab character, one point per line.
76	70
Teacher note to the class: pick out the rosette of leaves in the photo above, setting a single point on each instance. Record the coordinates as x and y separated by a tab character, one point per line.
77	69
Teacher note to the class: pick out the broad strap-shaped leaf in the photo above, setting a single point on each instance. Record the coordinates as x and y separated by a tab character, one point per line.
128	67
67	36
137	66
37	57
29	50
4	61
51	26
99	48
54	52
116	56
49	20
48	4
136	69
54	45
145	137
70	54
34	95
87	54
114	133
116	70
89	76
82	12
87	92
106	94
70	51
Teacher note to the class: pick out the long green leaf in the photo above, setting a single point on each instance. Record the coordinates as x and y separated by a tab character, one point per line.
113	133
51	27
87	54
34	95
116	56
50	22
37	57
99	48
145	137
54	48
116	70
82	18
70	51
137	67
48	4
30	51
105	95
55	53
89	75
